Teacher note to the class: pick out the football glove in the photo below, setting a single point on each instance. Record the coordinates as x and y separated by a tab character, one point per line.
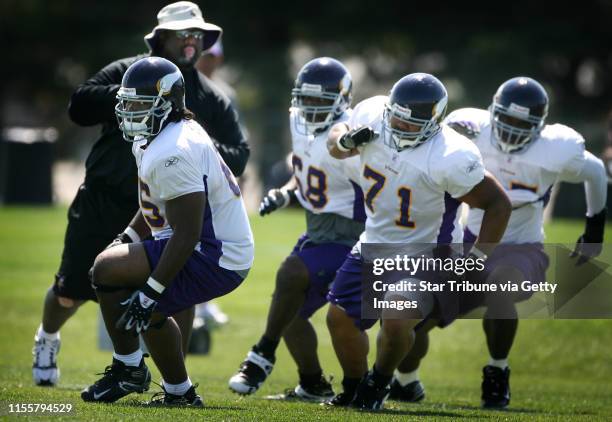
589	244
356	137
275	199
119	240
137	317
466	128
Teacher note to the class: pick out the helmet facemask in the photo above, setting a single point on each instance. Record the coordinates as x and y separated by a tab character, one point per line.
401	139
316	109
514	127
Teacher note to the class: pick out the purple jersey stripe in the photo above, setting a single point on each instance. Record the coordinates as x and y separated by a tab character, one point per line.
451	205
210	245
359	213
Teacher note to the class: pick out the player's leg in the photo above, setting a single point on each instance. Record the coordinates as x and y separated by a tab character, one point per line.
184	320
116	273
406	385
289	293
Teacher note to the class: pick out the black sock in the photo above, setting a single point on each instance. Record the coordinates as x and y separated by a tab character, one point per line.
349	385
380	380
307	380
267	348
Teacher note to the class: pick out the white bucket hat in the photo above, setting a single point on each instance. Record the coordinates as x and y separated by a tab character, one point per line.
183	15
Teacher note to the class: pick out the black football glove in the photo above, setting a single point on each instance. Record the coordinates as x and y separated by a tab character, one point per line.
467	129
589	244
356	137
274	200
119	240
137	317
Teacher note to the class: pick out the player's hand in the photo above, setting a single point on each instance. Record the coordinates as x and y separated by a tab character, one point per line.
137	317
274	200
589	244
356	137
119	240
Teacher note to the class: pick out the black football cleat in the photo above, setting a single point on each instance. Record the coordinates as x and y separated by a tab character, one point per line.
189	399
369	396
412	392
118	380
495	387
252	374
340	400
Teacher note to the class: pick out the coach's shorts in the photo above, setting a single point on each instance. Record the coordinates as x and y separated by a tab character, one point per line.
322	261
95	217
200	279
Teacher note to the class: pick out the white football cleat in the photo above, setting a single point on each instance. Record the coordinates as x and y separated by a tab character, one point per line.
44	368
252	374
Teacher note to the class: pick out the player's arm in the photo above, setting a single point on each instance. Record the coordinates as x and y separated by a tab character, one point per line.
343	142
184	215
136	231
489	196
593	175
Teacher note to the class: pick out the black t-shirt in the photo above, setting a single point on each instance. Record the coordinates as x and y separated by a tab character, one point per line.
110	164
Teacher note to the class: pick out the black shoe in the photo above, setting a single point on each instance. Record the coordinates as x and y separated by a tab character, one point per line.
341	400
189	399
412	392
252	374
118	381
369	396
495	387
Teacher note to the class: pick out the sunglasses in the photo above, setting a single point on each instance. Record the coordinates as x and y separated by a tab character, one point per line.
186	33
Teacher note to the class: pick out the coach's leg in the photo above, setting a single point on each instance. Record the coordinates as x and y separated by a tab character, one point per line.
57	310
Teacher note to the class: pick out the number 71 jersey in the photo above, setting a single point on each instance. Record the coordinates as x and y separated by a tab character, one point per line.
325	185
411	195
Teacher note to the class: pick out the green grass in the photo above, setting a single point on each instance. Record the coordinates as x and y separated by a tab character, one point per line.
561	369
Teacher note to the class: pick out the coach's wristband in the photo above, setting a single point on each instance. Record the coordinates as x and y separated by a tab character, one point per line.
131	233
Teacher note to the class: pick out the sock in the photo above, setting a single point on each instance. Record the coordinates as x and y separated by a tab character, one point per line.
406	378
380	380
499	363
349	385
47	336
177	389
133	359
310	379
267	348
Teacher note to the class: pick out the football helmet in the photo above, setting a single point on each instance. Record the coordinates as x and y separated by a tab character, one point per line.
417	104
322	92
518	113
151	89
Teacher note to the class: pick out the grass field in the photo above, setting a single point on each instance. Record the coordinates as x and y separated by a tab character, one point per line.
561	369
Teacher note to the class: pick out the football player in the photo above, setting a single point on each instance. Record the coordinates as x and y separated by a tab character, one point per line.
527	156
202	245
415	172
329	192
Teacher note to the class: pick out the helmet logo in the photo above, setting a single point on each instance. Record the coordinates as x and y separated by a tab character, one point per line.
345	83
439	108
164	85
518	111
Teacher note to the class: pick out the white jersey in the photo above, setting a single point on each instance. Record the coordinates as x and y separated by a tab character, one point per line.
181	160
528	175
325	185
411	196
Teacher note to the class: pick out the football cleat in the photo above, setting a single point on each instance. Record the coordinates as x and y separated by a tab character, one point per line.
44	367
369	396
320	392
412	392
495	387
340	400
189	399
118	380
252	374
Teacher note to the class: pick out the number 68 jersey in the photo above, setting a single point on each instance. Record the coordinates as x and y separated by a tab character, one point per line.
181	160
325	185
410	195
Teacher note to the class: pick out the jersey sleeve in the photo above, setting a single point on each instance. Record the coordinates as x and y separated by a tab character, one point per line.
178	175
576	157
469	122
460	171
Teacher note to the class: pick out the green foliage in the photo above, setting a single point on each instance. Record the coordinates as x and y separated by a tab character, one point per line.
561	369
